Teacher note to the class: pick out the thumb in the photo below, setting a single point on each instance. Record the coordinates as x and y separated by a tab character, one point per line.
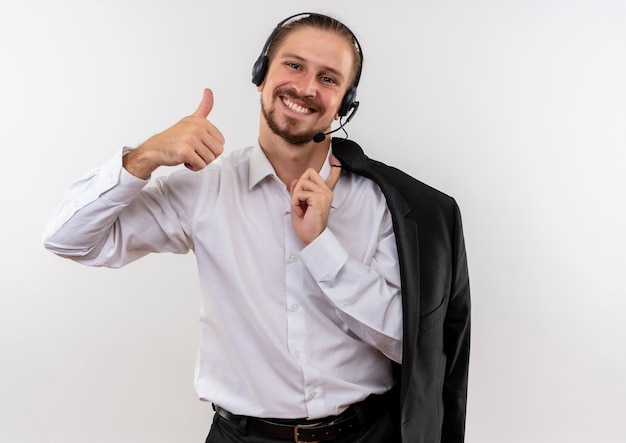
205	106
335	172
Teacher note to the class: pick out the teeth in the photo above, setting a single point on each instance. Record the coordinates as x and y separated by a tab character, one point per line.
296	108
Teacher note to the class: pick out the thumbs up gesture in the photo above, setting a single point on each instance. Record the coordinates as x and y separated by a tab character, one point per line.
194	141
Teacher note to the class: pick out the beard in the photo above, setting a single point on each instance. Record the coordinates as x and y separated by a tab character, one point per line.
289	131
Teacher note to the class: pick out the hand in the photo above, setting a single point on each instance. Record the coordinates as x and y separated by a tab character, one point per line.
311	198
193	141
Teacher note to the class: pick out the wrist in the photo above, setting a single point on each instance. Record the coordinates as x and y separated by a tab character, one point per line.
139	163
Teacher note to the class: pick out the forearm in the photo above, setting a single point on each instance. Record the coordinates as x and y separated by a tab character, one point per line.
140	162
366	296
90	209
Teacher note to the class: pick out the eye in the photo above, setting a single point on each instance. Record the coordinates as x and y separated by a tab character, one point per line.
292	65
326	79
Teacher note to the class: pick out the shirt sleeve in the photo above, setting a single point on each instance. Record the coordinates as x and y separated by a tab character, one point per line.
107	219
366	296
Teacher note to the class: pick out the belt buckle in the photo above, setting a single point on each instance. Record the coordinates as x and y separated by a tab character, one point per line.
296	431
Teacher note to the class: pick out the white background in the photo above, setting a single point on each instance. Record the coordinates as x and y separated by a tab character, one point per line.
516	108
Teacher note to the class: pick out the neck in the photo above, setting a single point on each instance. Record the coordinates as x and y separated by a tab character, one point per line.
291	161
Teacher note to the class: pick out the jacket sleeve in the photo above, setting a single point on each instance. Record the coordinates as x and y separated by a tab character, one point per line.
457	341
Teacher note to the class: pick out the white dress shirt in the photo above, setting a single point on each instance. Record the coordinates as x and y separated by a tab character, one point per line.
286	331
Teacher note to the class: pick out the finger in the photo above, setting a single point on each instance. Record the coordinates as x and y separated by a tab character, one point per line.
216	133
206	105
296	203
213	142
206	155
195	162
335	172
310	182
198	155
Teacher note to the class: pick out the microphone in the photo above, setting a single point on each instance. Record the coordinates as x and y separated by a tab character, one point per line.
321	136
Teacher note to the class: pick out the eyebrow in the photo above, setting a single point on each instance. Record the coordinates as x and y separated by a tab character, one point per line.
332	71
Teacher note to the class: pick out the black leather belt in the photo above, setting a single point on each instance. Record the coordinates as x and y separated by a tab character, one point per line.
325	429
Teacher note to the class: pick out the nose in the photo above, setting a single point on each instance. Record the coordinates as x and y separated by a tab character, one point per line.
306	85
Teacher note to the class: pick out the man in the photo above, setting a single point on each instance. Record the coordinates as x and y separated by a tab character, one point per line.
335	293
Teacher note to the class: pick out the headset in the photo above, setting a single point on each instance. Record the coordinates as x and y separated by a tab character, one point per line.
348	103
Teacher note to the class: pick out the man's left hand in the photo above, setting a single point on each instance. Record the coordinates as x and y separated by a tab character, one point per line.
311	197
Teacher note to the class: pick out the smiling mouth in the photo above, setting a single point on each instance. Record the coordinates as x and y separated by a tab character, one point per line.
296	107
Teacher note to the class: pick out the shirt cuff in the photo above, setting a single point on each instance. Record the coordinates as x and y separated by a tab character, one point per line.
324	257
116	183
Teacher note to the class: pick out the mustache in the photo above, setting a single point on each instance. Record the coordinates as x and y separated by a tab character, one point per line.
309	102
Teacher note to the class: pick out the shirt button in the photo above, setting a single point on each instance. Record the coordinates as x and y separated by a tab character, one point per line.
294	307
311	395
293	258
297	355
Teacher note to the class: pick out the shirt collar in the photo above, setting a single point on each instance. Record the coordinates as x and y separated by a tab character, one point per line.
260	167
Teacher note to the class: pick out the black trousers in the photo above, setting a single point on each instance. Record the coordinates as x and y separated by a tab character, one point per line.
382	430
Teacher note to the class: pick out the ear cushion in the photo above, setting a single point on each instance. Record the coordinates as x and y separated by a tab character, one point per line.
348	102
259	70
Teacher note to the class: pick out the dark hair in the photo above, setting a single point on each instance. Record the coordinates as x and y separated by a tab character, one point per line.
324	23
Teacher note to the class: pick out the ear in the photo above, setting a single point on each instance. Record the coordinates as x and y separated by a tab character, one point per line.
260	87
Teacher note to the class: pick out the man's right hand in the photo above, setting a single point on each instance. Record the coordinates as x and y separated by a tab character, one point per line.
193	141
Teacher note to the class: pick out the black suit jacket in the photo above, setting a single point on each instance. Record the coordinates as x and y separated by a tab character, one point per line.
435	296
